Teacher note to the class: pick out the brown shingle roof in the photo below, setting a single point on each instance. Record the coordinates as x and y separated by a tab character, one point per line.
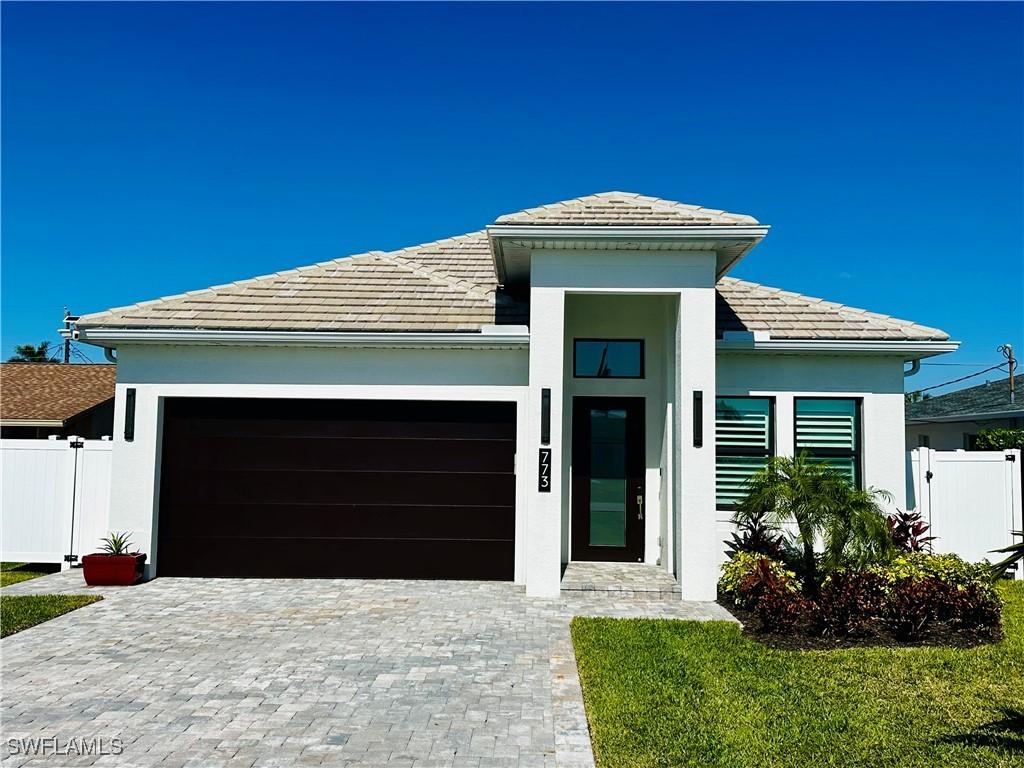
450	285
52	391
623	209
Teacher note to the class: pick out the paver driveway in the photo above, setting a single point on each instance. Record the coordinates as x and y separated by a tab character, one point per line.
205	672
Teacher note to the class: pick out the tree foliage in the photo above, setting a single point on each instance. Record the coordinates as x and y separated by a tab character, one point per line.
999	439
849	522
33	353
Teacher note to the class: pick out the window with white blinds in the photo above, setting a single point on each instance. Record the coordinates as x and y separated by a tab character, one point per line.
744	440
828	430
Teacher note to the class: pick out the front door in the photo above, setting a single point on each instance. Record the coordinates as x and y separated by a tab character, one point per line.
608	478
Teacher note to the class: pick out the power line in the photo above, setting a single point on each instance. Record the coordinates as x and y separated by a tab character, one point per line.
962	378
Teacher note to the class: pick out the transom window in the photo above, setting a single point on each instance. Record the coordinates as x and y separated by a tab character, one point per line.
744	439
828	430
608	358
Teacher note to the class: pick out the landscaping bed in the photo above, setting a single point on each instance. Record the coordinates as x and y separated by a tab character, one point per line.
674	693
847	573
875	634
915	598
18	612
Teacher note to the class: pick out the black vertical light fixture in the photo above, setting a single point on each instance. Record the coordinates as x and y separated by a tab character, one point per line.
698	419
545	417
129	414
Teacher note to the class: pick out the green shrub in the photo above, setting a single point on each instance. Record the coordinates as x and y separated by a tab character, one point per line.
922	587
999	439
736	583
949	569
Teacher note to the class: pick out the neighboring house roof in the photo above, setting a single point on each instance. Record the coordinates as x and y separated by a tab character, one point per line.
623	209
989	399
48	394
450	286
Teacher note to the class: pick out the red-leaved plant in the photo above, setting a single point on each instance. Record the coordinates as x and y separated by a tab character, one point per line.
907	531
848	603
779	609
912	605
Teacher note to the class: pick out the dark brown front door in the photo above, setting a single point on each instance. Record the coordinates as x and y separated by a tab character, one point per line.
608	478
327	488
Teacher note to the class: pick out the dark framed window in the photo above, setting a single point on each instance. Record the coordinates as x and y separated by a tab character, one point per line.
608	358
744	440
828	429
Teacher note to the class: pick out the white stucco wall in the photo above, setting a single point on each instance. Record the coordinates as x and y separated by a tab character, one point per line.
876	380
157	372
666	298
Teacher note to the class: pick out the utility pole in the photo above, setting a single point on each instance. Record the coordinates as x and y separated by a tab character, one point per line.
1007	351
67	340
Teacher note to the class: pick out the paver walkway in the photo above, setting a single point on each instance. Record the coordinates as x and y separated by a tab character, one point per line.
225	672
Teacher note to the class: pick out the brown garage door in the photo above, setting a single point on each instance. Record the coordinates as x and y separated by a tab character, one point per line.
321	488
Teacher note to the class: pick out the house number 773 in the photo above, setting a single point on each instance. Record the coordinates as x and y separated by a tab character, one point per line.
544	471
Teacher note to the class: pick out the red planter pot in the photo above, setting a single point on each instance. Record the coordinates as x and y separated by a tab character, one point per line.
112	570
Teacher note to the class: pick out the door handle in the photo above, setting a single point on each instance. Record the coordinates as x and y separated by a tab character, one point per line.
639	506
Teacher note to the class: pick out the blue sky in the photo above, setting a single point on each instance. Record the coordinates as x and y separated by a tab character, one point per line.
156	148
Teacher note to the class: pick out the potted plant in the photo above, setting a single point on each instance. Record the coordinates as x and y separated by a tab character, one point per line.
115	566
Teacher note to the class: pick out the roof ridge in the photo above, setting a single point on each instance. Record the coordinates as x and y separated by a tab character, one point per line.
57	362
657	203
426	270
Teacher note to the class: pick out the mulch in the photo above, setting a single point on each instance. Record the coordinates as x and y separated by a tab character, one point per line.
938	634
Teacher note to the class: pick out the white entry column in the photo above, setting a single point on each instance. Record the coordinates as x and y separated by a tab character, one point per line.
544	500
695	495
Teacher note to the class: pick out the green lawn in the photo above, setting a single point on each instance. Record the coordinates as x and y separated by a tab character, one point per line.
18	612
12	573
677	693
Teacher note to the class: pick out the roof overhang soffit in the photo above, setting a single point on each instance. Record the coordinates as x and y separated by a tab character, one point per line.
511	246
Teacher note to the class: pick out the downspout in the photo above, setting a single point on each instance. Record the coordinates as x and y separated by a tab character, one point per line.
109	354
915	366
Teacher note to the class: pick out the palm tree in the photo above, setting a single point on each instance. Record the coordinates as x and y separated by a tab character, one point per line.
1016	552
848	521
28	353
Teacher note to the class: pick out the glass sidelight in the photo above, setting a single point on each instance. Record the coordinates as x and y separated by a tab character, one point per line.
607	477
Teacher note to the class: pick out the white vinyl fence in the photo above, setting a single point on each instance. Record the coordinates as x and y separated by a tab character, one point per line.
971	500
54	499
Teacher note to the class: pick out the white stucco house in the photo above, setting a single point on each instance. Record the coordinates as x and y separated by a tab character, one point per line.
578	381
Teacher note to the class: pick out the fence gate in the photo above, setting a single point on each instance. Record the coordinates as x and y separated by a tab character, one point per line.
55	497
971	499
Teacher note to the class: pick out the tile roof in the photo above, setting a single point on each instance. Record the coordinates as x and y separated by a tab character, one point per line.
445	286
623	209
744	306
990	397
52	391
450	285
